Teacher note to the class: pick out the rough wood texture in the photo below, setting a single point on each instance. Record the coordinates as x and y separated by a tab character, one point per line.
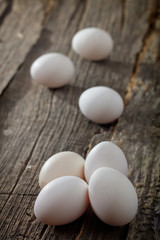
36	122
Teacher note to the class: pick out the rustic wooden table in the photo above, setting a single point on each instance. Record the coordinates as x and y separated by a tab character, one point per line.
36	122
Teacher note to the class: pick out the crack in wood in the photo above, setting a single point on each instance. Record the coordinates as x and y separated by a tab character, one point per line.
124	2
19	194
114	130
43	231
75	12
153	17
81	231
6	11
48	6
11	80
87	150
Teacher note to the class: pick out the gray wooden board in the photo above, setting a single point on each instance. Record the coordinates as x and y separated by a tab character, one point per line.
36	122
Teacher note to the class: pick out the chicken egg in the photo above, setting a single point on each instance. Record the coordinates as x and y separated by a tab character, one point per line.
101	104
62	201
61	164
52	70
105	154
112	196
92	43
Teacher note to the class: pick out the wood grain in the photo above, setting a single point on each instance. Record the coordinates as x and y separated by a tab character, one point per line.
36	122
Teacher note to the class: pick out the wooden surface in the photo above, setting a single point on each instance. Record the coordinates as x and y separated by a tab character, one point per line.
36	122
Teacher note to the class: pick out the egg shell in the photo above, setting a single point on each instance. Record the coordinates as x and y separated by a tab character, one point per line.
101	104
52	70
61	164
92	43
105	154
112	197
62	201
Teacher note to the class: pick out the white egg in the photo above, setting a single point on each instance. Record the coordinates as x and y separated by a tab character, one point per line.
101	104
112	196
62	201
92	43
52	70
61	164
105	154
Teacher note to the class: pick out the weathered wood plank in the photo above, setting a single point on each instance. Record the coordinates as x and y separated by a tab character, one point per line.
36	122
138	134
20	30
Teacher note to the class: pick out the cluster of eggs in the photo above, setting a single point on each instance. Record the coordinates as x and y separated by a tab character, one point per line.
99	104
69	184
